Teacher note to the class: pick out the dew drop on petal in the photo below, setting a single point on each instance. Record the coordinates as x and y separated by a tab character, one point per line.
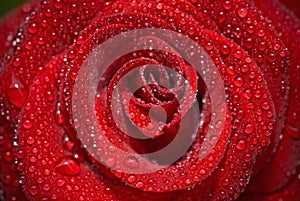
60	182
131	162
17	62
46	187
249	128
58	4
225	182
241	145
17	95
131	178
227	5
27	124
159	6
225	49
68	166
239	82
242	12
33	28
139	184
30	140
33	190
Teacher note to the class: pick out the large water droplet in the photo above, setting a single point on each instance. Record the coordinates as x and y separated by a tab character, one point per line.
17	95
68	166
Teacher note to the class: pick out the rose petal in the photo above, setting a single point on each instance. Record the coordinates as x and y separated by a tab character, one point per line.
67	158
284	163
10	175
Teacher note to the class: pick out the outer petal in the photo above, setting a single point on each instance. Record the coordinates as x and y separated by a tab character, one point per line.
9	179
284	163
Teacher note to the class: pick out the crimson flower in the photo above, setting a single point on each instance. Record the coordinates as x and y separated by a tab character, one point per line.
132	100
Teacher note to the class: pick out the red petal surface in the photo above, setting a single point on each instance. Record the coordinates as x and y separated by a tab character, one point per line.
286	160
9	179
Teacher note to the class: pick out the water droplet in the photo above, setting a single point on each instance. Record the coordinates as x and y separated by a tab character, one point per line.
191	31
249	128
242	12
49	96
20	153
33	159
46	187
47	172
131	178
277	46
143	117
238	54
33	190
60	182
159	6
227	5
29	45
58	4
27	124
80	40
272	57
68	166
241	145
59	118
67	144
196	178
30	140
28	106
131	162
188	181
225	182
225	49
17	62
131	115
32	168
239	81
139	184
265	106
247	94
261	33
17	95
33	28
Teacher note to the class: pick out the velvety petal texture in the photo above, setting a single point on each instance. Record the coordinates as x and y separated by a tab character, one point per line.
105	100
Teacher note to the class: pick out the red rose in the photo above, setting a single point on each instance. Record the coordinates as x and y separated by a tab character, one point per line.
150	100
